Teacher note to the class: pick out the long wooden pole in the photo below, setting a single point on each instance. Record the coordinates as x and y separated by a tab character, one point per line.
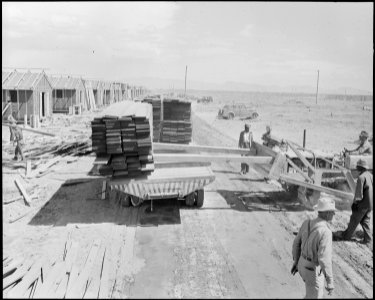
32	130
317	86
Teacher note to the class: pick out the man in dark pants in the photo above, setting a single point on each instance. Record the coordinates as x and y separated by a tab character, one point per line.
18	138
362	205
245	141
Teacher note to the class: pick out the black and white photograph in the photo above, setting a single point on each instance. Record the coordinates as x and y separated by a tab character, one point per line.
187	149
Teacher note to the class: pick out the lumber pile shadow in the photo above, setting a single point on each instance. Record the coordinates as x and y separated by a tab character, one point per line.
79	201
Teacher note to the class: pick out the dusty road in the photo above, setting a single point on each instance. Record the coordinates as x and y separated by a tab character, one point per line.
238	245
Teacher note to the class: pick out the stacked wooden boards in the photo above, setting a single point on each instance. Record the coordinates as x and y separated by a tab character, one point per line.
156	115
124	133
176	125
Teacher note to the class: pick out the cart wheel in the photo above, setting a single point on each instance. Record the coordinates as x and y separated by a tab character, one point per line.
189	199
125	200
136	201
199	198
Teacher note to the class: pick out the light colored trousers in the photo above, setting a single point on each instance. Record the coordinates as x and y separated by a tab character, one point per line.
313	278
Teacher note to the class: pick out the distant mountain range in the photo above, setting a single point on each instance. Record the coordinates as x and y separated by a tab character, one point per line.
162	83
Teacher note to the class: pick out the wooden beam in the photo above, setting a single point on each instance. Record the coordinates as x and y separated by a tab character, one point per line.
5	108
299	170
171	157
26	197
191	148
301	157
349	177
103	189
340	194
32	130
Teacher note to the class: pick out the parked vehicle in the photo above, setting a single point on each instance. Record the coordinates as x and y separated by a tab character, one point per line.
239	110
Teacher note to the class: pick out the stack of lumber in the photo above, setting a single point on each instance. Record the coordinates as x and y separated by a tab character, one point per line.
156	114
177	127
127	139
98	136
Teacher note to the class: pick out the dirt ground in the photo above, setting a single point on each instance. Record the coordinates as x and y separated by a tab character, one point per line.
238	245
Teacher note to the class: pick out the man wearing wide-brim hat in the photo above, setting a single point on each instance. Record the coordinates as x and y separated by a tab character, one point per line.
362	205
364	147
312	250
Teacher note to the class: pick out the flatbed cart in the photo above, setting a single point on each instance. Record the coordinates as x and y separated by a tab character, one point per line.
186	184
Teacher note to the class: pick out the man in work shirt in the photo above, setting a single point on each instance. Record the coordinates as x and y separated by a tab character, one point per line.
364	148
362	205
245	141
12	121
312	251
266	136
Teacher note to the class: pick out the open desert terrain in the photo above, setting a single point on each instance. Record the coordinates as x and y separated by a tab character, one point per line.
238	245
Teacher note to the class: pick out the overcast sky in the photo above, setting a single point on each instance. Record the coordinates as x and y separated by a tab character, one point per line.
266	43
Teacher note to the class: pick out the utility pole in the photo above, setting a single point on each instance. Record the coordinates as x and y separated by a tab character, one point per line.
185	80
317	86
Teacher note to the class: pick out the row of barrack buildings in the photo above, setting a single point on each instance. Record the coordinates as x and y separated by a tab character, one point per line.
41	95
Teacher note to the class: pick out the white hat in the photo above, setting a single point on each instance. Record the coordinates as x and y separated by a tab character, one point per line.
362	163
325	204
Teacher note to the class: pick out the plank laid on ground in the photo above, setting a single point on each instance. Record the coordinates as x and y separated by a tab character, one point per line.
26	197
18	274
340	194
79	286
15	264
13	200
27	280
95	276
45	290
73	275
44	167
32	130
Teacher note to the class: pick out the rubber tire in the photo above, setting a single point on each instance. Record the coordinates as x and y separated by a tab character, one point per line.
189	199
125	201
199	198
135	201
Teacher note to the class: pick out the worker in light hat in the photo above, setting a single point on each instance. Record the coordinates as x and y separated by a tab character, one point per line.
362	205
245	141
364	147
312	250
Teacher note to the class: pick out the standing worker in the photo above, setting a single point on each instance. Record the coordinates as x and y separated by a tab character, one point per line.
12	121
245	141
18	138
267	136
362	205
312	251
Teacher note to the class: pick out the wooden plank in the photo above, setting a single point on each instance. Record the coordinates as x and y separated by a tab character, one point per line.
95	275
169	157
5	108
340	194
349	177
32	130
71	256
73	275
301	157
79	286
28	167
104	189
44	167
18	274
13	200
195	148
102	160
61	289
15	264
27	280
26	197
50	278
278	166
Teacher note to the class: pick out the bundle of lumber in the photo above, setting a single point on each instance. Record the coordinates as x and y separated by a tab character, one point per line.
156	114
127	140
177	126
